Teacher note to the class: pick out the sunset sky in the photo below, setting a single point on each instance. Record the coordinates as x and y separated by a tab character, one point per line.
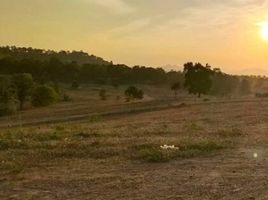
230	34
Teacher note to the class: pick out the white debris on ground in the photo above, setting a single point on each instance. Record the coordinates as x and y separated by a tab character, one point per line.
166	147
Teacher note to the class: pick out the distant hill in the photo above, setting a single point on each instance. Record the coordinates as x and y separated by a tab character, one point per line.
254	71
79	57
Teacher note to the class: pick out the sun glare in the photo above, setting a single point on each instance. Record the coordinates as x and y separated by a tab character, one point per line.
264	30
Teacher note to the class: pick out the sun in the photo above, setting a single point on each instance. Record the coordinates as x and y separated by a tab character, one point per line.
264	30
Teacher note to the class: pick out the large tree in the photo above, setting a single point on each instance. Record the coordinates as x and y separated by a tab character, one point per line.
197	78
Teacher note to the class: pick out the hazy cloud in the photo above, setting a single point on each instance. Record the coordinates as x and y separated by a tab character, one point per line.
115	6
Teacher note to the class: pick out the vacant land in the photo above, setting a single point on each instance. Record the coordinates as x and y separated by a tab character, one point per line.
220	152
85	103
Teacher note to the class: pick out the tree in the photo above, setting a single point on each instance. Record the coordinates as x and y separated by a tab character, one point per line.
43	96
245	87
223	84
175	87
8	101
7	90
133	93
24	85
197	78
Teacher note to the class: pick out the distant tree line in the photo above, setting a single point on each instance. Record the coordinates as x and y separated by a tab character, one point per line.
34	74
78	66
203	79
21	53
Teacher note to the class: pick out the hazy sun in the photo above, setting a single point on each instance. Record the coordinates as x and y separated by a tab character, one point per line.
264	30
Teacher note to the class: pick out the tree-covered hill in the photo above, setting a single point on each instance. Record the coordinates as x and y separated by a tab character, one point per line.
79	57
65	66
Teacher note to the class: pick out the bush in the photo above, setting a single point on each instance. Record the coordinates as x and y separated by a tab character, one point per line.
261	95
75	85
9	107
55	86
133	93
43	96
66	98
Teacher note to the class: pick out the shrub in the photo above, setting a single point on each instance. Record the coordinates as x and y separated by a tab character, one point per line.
66	98
8	108
133	93
43	96
55	86
261	95
75	85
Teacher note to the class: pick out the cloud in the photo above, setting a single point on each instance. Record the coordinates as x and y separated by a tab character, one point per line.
114	6
131	28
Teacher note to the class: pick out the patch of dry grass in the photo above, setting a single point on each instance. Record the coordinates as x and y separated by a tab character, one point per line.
21	149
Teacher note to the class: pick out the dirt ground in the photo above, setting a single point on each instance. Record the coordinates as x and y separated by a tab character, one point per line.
238	171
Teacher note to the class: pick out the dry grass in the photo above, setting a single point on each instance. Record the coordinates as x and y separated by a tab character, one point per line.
121	158
21	149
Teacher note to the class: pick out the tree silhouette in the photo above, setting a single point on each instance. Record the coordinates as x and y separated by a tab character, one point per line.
8	101
133	93
24	85
197	78
175	87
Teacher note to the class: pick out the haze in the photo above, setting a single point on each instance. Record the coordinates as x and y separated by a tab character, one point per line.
168	33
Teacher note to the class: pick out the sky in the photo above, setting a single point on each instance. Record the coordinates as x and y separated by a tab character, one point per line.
156	33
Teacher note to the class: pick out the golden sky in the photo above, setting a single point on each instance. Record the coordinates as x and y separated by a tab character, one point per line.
229	34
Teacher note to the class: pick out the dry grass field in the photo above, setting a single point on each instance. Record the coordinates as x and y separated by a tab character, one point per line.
86	102
220	152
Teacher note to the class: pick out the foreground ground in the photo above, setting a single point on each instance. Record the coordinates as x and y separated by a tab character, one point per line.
221	153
